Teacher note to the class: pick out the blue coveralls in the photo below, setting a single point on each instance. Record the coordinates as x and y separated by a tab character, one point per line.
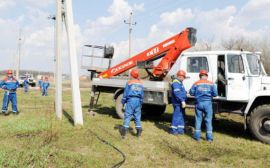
179	95
204	91
25	83
133	98
46	84
10	84
40	83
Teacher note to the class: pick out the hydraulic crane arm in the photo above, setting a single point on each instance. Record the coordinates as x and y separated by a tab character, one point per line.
169	49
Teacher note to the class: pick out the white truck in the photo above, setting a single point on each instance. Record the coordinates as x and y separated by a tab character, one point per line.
32	81
242	83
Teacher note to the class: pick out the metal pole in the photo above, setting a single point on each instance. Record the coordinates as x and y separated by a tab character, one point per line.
76	95
130	34
18	60
58	45
130	37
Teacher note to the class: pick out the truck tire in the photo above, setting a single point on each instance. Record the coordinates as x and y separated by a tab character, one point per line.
260	123
34	85
153	110
118	106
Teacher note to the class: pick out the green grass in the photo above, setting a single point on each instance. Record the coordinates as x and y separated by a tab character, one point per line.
36	138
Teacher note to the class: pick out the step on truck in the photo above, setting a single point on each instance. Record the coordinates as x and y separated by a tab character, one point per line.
242	83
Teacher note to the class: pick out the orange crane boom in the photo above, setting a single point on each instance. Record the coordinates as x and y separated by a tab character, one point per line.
169	49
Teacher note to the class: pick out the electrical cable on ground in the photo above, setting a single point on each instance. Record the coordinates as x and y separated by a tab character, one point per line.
102	140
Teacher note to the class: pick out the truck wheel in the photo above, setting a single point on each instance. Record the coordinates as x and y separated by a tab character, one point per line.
118	106
260	123
153	110
34	85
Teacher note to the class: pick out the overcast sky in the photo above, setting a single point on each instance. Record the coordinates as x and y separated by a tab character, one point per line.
100	22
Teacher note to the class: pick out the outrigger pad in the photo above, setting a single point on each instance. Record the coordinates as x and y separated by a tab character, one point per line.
192	36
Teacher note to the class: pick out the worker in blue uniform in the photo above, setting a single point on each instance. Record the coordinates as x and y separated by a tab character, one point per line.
133	98
25	83
204	91
179	99
40	83
10	84
46	84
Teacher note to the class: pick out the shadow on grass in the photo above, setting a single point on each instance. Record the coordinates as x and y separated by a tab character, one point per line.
223	125
70	119
120	128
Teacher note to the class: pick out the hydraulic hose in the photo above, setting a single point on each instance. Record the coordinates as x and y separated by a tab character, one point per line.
102	140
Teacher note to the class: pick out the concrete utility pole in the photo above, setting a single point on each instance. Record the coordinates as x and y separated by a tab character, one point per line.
58	45
76	95
18	60
13	66
130	35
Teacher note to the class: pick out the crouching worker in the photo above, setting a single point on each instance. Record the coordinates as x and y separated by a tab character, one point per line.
179	98
10	84
46	84
133	98
204	91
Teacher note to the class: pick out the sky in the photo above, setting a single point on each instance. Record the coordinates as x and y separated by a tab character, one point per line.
101	22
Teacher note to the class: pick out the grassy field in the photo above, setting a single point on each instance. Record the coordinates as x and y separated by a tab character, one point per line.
36	138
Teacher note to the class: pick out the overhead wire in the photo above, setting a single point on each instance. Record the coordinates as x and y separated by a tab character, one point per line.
165	10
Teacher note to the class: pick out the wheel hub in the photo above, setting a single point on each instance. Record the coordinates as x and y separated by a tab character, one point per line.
266	125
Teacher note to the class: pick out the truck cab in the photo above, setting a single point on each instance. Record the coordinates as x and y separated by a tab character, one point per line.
242	83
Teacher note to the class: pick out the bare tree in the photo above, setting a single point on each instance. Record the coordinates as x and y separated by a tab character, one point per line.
264	47
204	45
239	43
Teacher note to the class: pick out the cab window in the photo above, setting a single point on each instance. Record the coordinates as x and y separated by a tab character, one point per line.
196	64
235	64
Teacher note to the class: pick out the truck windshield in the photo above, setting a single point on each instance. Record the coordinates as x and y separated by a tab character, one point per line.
254	65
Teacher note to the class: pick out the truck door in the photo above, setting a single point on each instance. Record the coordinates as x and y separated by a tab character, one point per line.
194	64
237	84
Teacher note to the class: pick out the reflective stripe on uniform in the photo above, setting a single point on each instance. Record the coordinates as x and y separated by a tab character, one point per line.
176	90
138	126
180	126
126	126
198	130
208	131
174	127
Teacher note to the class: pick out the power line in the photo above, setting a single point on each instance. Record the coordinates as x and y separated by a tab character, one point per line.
156	8
165	10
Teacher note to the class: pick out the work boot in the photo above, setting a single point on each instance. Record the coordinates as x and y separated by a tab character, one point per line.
139	133
4	114
124	133
16	113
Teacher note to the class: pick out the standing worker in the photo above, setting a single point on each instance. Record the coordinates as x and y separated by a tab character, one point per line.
204	91
179	98
10	84
40	83
46	84
25	83
133	98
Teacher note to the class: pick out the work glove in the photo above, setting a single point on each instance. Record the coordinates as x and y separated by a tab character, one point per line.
183	104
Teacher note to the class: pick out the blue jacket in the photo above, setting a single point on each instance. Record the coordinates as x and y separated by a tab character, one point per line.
46	84
179	94
134	88
203	90
25	82
40	82
10	84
